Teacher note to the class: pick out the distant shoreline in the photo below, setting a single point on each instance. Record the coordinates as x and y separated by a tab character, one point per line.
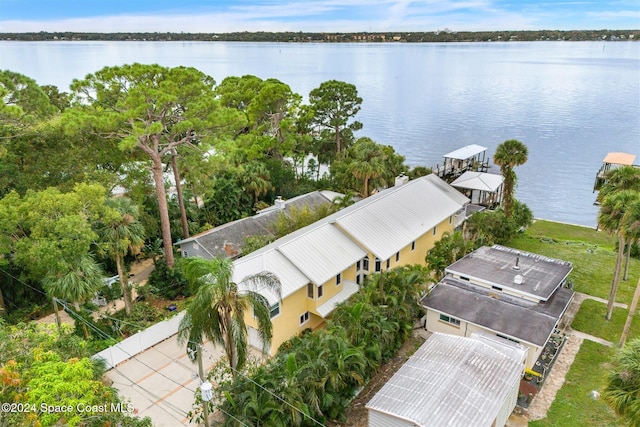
347	37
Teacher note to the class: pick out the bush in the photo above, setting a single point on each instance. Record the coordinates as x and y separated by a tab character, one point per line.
168	282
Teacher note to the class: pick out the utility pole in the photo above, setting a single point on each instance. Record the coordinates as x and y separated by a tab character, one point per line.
205	403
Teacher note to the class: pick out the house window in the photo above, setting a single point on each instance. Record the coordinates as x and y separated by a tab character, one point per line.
378	265
304	318
358	265
310	290
388	263
365	263
435	230
338	279
450	320
320	291
185	254
274	310
450	219
413	245
397	256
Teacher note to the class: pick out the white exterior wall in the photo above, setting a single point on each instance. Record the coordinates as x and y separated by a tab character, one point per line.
379	419
434	324
508	406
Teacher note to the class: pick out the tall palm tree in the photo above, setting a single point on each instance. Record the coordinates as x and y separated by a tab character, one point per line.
508	155
612	210
217	310
623	389
78	282
122	233
257	180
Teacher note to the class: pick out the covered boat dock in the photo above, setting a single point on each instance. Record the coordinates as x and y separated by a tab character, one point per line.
484	189
469	158
612	161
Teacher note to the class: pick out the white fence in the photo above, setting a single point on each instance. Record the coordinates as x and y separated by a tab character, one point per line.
139	342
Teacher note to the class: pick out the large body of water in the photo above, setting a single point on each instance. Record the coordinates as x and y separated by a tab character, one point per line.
569	102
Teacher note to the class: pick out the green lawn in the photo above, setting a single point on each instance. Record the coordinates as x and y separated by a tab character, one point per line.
590	320
573	405
591	253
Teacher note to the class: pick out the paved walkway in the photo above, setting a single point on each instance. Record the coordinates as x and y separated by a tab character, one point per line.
161	382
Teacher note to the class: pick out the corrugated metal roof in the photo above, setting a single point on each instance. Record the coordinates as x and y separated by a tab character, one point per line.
322	252
391	220
479	181
465	152
274	262
348	288
449	381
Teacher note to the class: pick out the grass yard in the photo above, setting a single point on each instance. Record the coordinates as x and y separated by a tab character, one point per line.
590	320
573	405
591	252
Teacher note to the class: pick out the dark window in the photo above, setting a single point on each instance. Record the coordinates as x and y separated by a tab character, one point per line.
310	290
365	263
274	310
304	318
378	265
320	291
388	263
397	256
413	245
497	288
338	279
450	320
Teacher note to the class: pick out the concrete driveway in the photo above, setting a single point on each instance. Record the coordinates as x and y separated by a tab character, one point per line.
161	381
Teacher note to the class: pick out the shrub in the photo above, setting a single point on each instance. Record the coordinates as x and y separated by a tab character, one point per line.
168	282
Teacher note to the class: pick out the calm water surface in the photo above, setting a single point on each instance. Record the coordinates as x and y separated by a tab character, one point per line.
569	102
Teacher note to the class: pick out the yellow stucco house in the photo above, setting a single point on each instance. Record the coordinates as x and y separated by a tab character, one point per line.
323	264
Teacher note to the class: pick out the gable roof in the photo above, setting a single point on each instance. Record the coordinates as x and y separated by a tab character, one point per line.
383	224
227	239
390	220
449	380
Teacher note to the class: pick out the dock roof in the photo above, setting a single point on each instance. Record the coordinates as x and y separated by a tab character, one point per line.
449	380
465	152
479	181
618	158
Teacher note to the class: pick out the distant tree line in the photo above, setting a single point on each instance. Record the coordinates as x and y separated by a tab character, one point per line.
445	35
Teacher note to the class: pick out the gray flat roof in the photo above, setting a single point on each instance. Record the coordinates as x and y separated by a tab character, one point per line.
504	314
449	381
495	266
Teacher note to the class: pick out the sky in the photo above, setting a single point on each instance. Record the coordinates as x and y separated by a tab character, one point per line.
222	16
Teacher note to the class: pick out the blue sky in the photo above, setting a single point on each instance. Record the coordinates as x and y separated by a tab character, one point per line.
211	16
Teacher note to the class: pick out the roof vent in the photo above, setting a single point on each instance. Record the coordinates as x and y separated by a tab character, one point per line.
518	279
279	202
517	266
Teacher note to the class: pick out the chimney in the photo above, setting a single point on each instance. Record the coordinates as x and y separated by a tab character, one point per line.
279	202
401	180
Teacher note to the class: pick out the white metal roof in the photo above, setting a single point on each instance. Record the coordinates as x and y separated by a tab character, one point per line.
465	152
479	181
391	220
322	252
348	288
291	279
450	380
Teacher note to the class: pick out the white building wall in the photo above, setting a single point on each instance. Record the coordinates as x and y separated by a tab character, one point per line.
465	329
379	419
508	406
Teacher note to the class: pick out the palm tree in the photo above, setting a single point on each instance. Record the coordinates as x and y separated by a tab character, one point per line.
612	210
79	282
347	199
256	180
122	233
217	310
623	389
508	155
631	222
